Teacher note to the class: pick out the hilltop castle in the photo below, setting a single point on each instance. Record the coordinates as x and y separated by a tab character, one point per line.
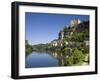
74	22
67	32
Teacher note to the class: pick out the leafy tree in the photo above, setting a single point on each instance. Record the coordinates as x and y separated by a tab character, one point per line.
28	49
76	57
69	61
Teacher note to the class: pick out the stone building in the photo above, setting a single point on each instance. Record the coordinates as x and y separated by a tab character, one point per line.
54	43
74	22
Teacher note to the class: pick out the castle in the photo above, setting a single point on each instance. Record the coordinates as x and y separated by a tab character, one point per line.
74	22
67	32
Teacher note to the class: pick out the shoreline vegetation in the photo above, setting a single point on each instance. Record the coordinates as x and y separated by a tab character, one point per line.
72	43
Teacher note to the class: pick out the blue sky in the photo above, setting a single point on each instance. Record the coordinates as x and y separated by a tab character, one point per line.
44	27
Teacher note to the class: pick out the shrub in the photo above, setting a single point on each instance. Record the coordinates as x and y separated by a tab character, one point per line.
76	57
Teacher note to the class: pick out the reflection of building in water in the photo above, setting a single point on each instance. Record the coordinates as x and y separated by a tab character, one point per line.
59	57
55	54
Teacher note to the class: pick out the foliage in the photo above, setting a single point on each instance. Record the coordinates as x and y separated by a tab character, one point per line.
28	49
76	57
80	36
65	50
80	32
73	52
41	47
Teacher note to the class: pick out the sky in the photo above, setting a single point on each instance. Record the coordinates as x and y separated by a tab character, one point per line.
44	27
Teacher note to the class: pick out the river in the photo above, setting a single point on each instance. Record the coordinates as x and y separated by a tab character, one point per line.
42	59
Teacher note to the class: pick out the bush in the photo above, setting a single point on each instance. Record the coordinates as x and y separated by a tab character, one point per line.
76	58
28	49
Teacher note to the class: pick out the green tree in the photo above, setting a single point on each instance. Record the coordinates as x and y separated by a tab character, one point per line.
28	49
69	61
76	58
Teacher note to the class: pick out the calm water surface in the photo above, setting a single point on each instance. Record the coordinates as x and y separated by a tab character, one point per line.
38	59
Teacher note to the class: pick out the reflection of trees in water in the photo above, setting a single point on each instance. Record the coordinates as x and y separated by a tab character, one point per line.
55	54
60	57
61	60
66	56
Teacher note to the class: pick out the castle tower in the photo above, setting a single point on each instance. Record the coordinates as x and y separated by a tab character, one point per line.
74	22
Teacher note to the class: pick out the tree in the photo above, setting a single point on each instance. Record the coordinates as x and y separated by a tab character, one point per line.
28	49
76	58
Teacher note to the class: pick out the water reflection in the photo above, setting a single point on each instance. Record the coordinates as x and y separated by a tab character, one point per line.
60	57
44	59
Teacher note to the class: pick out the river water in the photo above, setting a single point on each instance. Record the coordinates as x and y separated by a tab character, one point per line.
41	59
